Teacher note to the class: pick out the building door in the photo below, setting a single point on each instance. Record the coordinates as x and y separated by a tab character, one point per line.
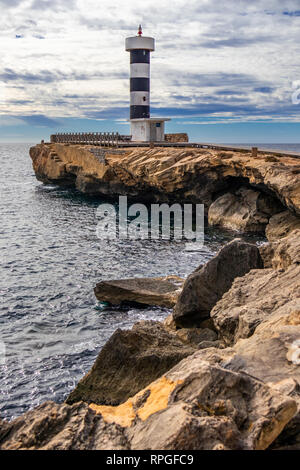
153	132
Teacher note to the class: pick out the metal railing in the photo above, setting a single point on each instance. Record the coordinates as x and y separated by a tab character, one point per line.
105	139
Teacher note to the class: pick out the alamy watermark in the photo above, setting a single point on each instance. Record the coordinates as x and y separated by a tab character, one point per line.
296	92
157	222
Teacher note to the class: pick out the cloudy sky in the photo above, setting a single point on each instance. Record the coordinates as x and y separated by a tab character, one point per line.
223	71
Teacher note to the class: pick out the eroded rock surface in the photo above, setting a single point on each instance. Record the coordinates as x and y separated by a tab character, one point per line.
167	174
61	427
245	210
260	293
281	225
162	291
205	286
129	361
196	405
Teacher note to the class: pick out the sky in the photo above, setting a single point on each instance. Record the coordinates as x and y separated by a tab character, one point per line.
223	71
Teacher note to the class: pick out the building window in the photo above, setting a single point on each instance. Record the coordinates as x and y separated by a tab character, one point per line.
158	124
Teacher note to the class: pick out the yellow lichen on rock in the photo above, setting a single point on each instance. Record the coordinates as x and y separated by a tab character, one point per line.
123	414
157	394
160	392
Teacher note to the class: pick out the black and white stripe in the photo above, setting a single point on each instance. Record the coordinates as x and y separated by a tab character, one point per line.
139	83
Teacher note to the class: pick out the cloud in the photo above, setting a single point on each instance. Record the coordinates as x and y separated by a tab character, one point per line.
40	121
235	42
10	3
264	89
53	5
291	13
47	76
205	63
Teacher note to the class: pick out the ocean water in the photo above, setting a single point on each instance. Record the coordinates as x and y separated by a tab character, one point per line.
51	325
276	147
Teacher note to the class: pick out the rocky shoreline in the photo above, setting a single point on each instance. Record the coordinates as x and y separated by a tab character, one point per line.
240	192
223	371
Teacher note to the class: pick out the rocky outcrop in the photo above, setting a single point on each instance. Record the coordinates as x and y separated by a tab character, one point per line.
129	361
156	387
205	287
161	291
61	427
196	336
281	225
196	405
168	174
209	407
260	293
245	210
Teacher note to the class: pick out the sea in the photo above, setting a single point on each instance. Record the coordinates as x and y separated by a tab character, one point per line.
51	325
290	148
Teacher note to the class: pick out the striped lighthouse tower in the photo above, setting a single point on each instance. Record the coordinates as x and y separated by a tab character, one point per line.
143	128
139	48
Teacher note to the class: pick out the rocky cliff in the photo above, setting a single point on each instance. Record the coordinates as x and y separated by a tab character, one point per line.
174	174
223	372
234	385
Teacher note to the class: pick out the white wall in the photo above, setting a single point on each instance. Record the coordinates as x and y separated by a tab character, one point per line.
144	131
140	131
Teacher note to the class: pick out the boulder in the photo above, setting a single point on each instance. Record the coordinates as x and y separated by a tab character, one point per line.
243	307
196	335
281	225
272	355
245	210
161	291
197	405
205	286
260	293
129	361
53	426
244	397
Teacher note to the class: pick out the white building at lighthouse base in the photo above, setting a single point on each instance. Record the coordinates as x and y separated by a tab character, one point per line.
148	129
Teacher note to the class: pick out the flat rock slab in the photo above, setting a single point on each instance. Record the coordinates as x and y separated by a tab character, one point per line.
161	291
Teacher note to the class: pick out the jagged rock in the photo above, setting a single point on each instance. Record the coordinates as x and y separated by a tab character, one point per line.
196	405
289	439
245	397
162	291
210	344
205	406
203	288
169	323
129	361
267	253
281	225
286	251
258	294
272	355
61	427
245	210
169	174
268	354
196	335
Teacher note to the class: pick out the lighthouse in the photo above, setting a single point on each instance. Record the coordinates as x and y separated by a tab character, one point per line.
143	127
